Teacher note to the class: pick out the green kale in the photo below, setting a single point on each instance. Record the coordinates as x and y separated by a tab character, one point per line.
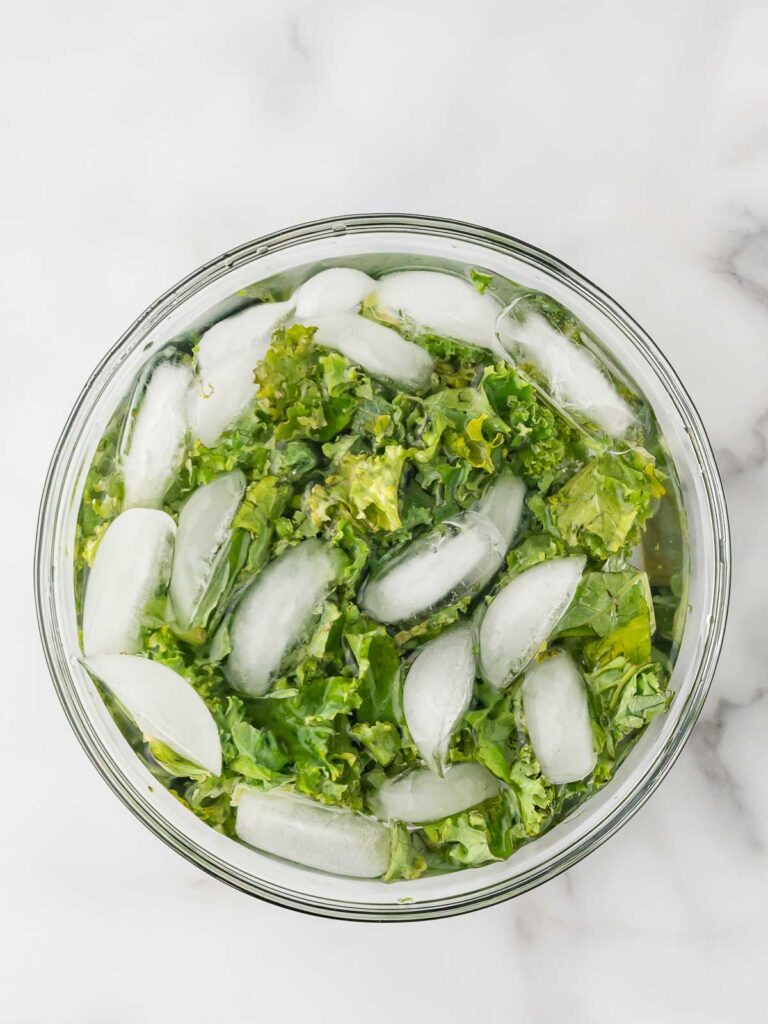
603	507
329	452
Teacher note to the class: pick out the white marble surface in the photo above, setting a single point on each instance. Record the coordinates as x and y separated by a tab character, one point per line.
141	139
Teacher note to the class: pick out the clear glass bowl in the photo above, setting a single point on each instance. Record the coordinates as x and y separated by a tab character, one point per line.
428	241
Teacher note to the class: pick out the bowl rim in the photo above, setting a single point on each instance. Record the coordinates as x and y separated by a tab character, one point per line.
614	818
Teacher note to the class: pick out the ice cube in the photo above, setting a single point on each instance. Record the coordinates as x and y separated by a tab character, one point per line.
156	442
502	503
337	290
227	355
330	839
442	303
575	380
277	612
132	563
163	705
202	542
420	796
558	719
457	558
437	692
379	350
523	614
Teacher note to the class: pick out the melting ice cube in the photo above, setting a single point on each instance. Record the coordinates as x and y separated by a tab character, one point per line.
457	558
379	350
164	706
575	380
437	692
330	839
338	290
227	355
523	614
443	303
132	563
502	503
276	613
156	442
202	543
420	796
557	715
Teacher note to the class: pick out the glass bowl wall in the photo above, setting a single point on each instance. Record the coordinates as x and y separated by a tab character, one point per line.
205	295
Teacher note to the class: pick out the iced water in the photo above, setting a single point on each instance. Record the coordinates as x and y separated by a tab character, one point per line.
437	692
523	614
132	563
202	543
163	705
379	350
227	355
502	503
441	303
158	435
330	839
276	613
338	290
421	796
575	380
457	558
557	715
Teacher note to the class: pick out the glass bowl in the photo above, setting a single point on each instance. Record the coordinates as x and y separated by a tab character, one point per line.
430	242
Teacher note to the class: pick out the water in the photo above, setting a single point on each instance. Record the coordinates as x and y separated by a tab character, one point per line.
202	383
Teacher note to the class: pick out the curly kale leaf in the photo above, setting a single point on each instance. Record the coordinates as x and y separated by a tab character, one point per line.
305	392
604	506
625	698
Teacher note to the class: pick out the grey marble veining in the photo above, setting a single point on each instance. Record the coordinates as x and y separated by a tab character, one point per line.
140	141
